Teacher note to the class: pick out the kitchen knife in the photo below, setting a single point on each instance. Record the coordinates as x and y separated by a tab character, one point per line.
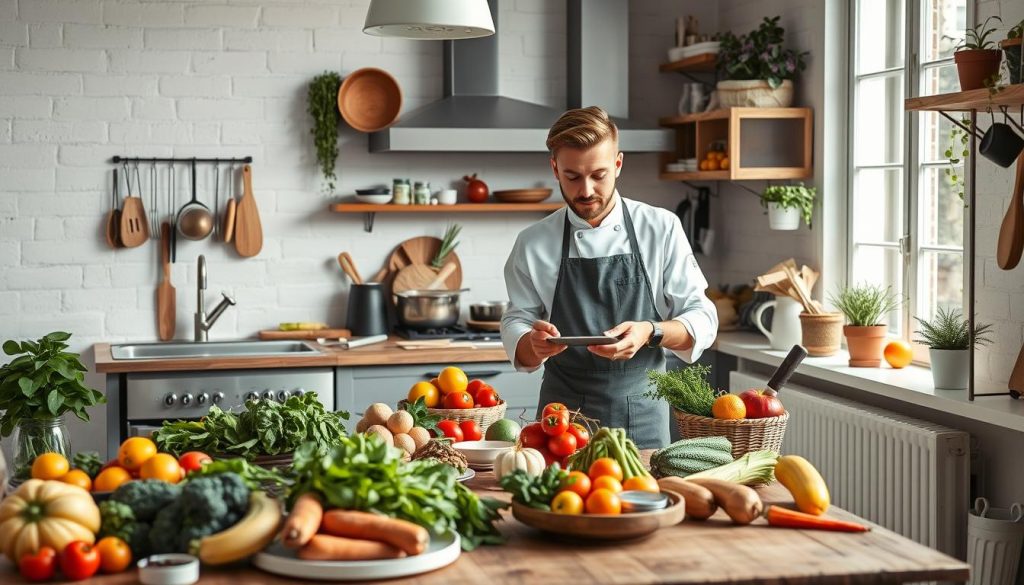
787	367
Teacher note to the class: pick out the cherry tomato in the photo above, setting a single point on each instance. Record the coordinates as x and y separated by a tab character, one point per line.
581	433
475	386
602	501
458	400
79	560
471	430
555	424
562	445
451	429
193	460
115	556
605	466
578	482
567	502
487	397
40	566
555	408
533	437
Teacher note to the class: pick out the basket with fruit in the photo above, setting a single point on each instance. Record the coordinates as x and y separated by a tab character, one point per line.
453	396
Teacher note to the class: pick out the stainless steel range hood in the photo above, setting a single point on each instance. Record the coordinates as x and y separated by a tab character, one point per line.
474	117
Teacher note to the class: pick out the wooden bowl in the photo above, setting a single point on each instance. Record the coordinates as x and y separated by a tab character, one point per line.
369	99
522	195
603	526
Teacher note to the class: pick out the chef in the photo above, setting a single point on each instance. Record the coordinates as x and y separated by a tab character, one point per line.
603	265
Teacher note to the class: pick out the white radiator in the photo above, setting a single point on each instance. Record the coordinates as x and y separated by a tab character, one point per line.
908	475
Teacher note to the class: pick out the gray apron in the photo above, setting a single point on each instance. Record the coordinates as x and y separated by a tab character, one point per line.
591	296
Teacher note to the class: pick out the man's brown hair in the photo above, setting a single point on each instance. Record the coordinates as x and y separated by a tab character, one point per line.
581	128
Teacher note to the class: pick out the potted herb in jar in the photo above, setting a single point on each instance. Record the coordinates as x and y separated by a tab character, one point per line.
948	344
757	70
36	389
787	204
1013	48
977	58
865	307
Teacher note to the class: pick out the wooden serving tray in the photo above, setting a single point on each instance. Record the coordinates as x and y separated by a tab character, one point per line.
603	526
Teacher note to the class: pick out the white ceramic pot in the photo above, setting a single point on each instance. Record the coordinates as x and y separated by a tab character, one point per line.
950	368
785	331
447	196
783	218
754	93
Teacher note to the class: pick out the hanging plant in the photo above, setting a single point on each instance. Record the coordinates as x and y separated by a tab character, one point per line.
322	105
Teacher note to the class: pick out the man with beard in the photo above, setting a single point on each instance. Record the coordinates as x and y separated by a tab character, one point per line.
604	265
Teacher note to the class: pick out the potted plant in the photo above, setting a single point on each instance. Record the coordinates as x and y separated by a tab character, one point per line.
977	58
36	389
757	69
865	306
322	106
1013	48
787	204
948	343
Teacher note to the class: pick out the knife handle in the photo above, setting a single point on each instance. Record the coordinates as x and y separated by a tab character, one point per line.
787	367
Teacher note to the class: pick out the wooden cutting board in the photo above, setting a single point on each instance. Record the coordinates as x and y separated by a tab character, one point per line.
421	250
248	229
307	335
166	317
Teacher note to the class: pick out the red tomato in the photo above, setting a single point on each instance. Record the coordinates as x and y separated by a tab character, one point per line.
555	408
458	400
451	429
487	396
562	445
79	560
549	458
193	460
471	430
581	433
40	566
475	386
533	437
555	424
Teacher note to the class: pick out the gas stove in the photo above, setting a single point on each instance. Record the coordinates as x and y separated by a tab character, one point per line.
455	332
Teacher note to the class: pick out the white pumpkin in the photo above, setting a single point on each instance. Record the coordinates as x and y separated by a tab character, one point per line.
46	513
529	460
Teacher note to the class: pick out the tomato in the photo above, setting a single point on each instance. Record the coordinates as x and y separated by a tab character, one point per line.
644	483
562	445
533	437
605	466
487	397
452	379
110	479
77	477
115	555
428	392
451	429
50	466
40	566
555	424
602	501
581	433
607	482
474	386
471	431
458	400
193	460
161	466
549	458
134	452
79	560
578	482
555	408
567	502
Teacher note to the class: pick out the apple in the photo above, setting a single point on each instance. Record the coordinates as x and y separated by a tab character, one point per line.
761	403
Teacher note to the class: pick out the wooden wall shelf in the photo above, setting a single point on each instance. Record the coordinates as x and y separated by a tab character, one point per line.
371	209
697	64
965	101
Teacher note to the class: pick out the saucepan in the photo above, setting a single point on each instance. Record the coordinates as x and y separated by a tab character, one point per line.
428	309
489	311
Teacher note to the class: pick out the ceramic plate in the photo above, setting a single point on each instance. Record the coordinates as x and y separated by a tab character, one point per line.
466	475
442	551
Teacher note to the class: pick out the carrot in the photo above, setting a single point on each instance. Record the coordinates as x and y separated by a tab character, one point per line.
324	547
786	518
303	521
409	537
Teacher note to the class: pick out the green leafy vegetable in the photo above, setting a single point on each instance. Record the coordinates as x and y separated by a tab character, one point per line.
253	475
536	492
322	106
686	389
421	417
88	461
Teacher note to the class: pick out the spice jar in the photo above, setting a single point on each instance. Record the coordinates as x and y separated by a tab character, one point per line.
400	189
421	193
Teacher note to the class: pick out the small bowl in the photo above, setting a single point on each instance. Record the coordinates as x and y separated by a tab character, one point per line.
379	199
447	196
482	452
489	311
373	191
158	570
641	501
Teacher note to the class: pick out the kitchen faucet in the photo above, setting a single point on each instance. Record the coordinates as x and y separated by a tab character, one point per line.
202	322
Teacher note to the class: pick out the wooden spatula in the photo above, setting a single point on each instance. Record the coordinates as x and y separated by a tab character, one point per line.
166	316
114	218
349	266
248	230
134	225
1011	233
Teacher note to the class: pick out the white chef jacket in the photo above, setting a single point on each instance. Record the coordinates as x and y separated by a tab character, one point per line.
677	282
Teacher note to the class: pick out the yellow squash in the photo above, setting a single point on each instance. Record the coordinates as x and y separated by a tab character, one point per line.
46	513
804	482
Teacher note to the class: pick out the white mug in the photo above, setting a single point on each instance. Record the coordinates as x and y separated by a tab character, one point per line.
786	331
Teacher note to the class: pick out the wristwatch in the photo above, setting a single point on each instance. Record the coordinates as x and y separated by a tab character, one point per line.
656	335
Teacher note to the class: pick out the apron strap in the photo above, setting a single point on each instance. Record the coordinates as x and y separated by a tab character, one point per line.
566	235
631	232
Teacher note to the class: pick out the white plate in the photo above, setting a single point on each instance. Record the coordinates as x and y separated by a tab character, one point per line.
466	475
481	453
377	199
442	551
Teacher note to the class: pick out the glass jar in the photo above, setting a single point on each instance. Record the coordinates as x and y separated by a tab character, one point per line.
421	194
400	189
33	437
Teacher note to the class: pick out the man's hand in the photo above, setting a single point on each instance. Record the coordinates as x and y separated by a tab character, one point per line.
632	335
534	348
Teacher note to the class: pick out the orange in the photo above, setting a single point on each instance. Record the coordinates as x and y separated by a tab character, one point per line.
607	482
430	394
567	502
115	555
134	452
110	479
50	466
601	501
77	477
161	466
729	406
723	163
899	353
644	483
452	379
605	466
578	482
704	165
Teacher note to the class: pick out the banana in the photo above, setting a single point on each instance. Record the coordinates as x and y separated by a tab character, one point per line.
249	536
287	326
311	326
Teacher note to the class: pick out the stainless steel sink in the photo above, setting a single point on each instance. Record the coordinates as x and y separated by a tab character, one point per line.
207	349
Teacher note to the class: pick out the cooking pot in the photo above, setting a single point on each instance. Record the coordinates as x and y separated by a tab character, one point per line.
428	309
488	311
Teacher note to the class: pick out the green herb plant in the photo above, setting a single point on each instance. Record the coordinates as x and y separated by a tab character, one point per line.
759	54
791	196
866	304
322	106
686	389
448	243
977	38
956	153
949	330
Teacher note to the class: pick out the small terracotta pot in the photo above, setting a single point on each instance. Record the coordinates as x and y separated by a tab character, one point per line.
974	66
865	345
821	333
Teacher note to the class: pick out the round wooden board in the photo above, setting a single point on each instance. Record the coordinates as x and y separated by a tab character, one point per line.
421	250
484	325
603	526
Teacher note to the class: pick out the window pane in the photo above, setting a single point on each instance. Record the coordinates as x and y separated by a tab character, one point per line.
878	205
943	25
878	121
880	29
940	209
940	79
940	282
936	138
881	266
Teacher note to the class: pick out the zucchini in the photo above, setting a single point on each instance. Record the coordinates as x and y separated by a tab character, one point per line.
691	456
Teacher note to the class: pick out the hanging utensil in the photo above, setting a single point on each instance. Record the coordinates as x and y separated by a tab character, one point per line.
134	225
166	311
170	210
349	266
1011	233
249	236
113	218
195	221
216	198
154	197
229	211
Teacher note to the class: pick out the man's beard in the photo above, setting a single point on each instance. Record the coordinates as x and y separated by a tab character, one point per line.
586	211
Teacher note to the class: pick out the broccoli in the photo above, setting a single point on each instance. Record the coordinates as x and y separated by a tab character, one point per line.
119	520
166	528
207	505
146	497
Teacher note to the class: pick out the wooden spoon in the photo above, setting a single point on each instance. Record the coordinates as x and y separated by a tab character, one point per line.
349	266
1011	233
114	218
134	227
166	317
248	229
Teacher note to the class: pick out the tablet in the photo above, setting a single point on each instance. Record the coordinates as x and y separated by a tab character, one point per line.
584	340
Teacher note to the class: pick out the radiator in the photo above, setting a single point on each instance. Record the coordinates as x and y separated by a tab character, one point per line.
908	475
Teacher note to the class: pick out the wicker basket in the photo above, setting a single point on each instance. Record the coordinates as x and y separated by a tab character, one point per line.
485	416
745	434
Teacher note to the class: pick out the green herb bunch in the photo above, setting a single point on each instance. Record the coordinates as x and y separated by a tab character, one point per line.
43	382
791	196
686	389
867	304
759	54
322	106
949	330
535	491
448	243
421	416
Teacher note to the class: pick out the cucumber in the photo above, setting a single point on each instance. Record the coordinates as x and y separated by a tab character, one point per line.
689	456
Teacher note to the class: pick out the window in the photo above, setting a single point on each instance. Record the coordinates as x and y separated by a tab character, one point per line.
906	216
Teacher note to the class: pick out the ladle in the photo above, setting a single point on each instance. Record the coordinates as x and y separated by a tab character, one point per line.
195	221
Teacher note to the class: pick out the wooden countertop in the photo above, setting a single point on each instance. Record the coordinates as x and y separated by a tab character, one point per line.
387	353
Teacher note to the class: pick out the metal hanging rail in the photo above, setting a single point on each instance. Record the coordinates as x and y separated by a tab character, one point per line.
188	159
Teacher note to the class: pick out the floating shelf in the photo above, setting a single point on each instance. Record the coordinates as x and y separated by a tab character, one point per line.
704	63
371	209
965	101
696	176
